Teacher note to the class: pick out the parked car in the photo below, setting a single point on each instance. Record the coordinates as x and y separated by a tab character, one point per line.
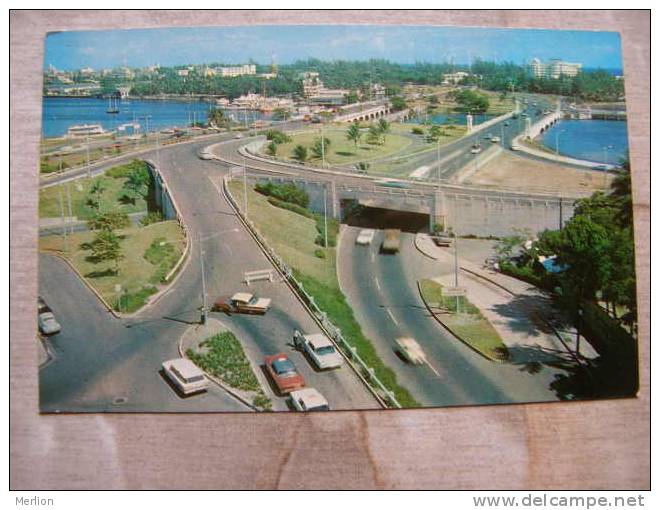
411	351
185	375
309	399
48	325
242	302
366	236
284	373
319	348
392	241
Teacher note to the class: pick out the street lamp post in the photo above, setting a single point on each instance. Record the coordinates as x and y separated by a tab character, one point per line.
557	141
325	214
204	314
245	190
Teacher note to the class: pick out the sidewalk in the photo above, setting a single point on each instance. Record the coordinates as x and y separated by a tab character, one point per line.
523	315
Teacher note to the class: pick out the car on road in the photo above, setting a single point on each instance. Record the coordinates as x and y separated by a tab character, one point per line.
410	350
242	302
284	373
507	123
441	239
515	147
392	241
476	149
308	399
365	237
185	375
238	136
495	139
205	155
319	348
488	136
48	325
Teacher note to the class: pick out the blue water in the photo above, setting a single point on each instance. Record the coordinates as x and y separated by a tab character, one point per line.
61	113
603	141
451	118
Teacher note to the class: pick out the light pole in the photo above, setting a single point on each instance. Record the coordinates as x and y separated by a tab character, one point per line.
89	170
438	157
204	315
322	149
245	190
325	214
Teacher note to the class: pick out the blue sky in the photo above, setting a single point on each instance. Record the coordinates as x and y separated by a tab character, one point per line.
404	44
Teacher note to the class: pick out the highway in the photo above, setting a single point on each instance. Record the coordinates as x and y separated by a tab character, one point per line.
151	337
382	291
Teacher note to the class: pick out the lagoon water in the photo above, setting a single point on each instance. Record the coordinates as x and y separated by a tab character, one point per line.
602	141
450	118
59	114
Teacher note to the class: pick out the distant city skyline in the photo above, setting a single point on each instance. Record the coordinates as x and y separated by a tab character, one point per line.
401	44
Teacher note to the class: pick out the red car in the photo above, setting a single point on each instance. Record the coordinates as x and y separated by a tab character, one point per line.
284	373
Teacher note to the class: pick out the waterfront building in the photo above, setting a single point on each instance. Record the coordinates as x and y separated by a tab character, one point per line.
85	130
316	93
183	72
554	68
239	70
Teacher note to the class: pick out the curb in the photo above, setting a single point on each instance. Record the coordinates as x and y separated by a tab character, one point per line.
465	342
248	227
217	381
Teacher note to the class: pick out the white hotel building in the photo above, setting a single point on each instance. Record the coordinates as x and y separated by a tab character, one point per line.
554	68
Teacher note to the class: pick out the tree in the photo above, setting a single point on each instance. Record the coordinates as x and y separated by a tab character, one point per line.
137	184
374	135
109	221
106	247
95	192
506	245
216	117
435	132
398	103
300	153
383	127
271	148
320	147
622	192
354	133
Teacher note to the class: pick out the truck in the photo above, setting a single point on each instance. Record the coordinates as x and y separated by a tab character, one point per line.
392	241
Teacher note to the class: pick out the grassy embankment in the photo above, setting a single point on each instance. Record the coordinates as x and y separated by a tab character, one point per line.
469	325
222	356
148	252
293	237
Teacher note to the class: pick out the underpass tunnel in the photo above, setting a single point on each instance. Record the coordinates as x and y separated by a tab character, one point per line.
362	216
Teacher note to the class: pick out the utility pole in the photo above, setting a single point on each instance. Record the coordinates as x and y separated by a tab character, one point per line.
245	190
89	170
456	266
201	262
439	172
325	214
322	149
66	244
68	198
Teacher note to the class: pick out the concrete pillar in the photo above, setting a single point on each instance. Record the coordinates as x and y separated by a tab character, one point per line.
334	199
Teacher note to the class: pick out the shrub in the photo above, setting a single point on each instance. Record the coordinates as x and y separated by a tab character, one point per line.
277	136
132	301
123	171
152	217
300	153
162	254
271	149
291	207
286	192
109	221
319	253
417	131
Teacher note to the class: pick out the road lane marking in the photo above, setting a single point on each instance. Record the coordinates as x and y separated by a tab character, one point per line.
389	312
434	370
373	257
377	283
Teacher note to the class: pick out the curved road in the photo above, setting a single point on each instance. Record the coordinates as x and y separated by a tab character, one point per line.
382	291
134	348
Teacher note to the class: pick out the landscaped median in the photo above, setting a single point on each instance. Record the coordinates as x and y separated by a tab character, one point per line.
219	353
295	234
468	325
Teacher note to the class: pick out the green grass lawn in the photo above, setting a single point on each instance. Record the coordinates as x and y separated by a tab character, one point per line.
342	151
149	253
50	205
292	236
469	325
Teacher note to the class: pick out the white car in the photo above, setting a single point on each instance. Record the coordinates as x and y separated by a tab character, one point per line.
319	348
185	375
515	147
495	139
365	236
48	325
309	399
205	155
410	349
475	150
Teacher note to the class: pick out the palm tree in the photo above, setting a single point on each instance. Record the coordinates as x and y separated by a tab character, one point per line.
383	127
216	117
354	133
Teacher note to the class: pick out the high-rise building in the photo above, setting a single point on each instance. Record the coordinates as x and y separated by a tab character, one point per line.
554	68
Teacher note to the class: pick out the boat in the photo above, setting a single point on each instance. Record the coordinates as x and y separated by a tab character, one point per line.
85	130
112	107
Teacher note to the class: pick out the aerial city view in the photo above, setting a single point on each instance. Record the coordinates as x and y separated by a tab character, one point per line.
313	218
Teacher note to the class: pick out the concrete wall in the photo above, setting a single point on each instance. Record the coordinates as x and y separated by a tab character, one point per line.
162	195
